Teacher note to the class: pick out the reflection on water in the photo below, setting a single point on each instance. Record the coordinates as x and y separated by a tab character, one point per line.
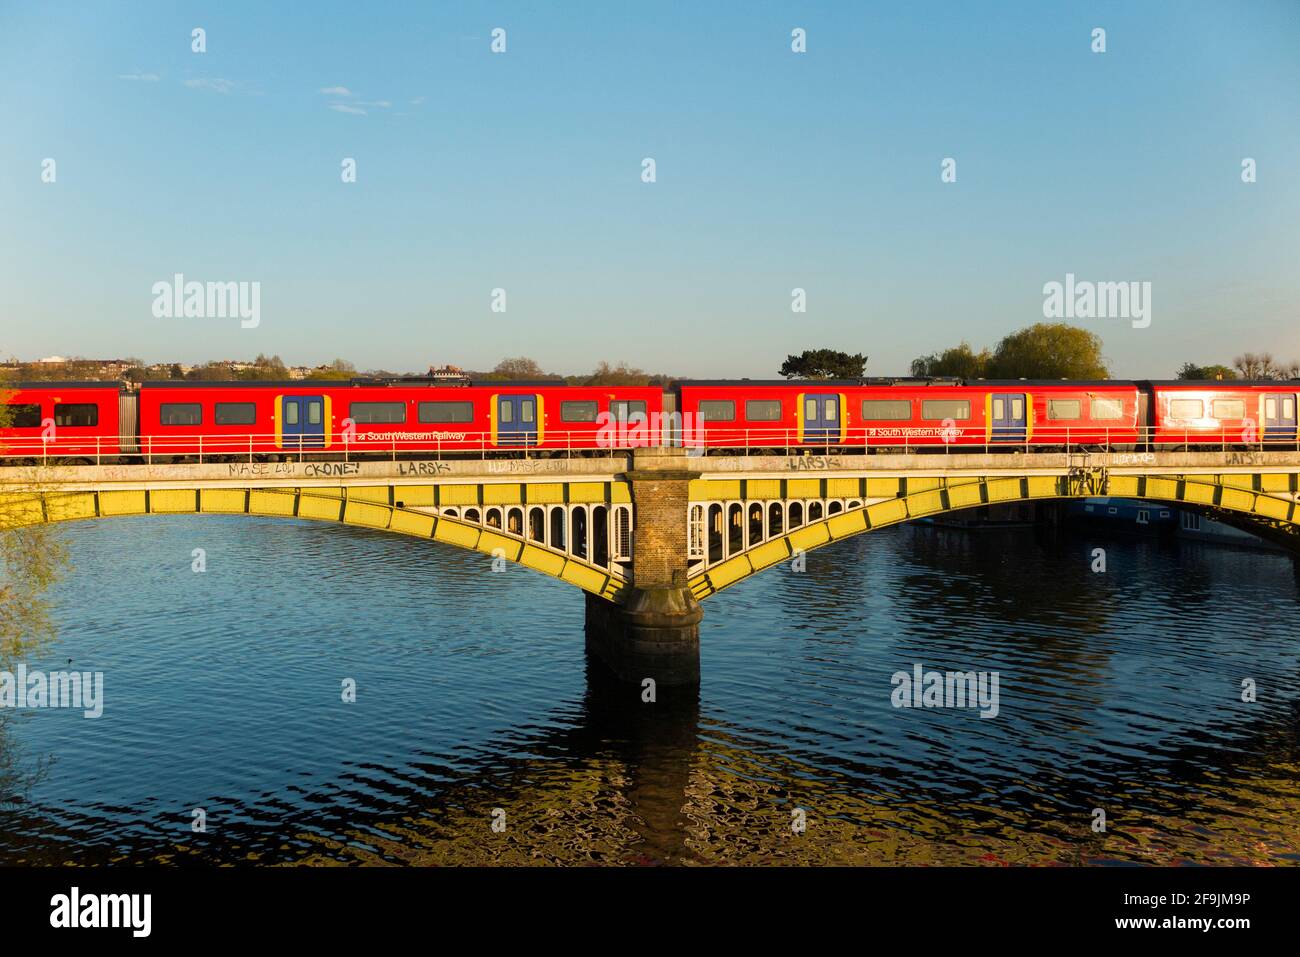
1119	691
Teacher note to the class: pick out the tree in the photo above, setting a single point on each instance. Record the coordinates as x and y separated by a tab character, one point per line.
1049	350
824	364
517	368
1263	366
621	374
1256	366
31	559
338	369
1205	373
961	362
265	369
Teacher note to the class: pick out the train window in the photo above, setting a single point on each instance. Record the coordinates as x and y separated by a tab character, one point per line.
180	413
940	409
1065	408
832	410
624	409
574	411
1186	408
999	409
291	413
446	411
235	413
763	410
810	410
1229	408
882	410
717	410
377	412
507	410
25	415
1107	408
314	412
76	414
526	410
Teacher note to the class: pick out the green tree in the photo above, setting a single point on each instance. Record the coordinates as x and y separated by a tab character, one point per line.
961	362
265	369
1191	370
31	559
338	369
824	364
1049	350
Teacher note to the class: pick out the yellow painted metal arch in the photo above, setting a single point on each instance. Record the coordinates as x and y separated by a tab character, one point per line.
22	509
1259	505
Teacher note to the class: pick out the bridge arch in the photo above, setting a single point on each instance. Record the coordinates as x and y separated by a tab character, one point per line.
1275	516
451	527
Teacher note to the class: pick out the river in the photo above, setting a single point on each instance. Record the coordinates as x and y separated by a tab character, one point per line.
1119	692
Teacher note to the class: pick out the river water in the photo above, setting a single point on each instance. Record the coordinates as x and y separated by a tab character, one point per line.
1119	692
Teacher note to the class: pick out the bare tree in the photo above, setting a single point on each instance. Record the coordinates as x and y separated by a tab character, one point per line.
1256	365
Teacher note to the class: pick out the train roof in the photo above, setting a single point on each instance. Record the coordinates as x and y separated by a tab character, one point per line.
827	383
70	384
1221	383
358	382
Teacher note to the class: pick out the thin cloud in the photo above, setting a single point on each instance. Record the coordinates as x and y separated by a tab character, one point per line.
382	104
344	108
217	85
143	77
336	91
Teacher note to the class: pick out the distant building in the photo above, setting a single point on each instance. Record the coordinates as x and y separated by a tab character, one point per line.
447	372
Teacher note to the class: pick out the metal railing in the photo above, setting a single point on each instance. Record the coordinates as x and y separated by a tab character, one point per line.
905	439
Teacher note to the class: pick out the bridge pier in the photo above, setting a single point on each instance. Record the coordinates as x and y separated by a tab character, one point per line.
655	631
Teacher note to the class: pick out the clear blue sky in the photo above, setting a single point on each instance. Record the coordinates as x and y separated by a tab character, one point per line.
522	171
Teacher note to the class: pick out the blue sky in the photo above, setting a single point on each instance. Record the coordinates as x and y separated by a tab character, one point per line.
522	171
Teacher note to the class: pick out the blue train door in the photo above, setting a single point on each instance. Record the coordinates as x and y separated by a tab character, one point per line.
516	420
821	417
302	422
1008	419
1280	416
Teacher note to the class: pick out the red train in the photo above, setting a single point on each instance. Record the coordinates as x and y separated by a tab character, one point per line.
91	421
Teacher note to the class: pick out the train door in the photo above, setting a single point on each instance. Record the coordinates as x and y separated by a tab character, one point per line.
821	417
517	420
302	422
632	421
1280	416
1008	417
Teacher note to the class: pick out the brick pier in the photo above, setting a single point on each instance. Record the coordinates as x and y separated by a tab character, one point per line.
655	632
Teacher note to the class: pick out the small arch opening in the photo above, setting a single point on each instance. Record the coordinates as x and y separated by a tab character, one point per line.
715	533
775	519
755	524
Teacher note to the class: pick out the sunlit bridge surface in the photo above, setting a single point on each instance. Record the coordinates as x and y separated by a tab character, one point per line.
1119	691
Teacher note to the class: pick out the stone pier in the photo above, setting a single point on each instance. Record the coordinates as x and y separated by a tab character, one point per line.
655	632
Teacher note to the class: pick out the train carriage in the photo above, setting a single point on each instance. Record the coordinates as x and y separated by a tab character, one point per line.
80	420
1223	414
904	414
375	416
